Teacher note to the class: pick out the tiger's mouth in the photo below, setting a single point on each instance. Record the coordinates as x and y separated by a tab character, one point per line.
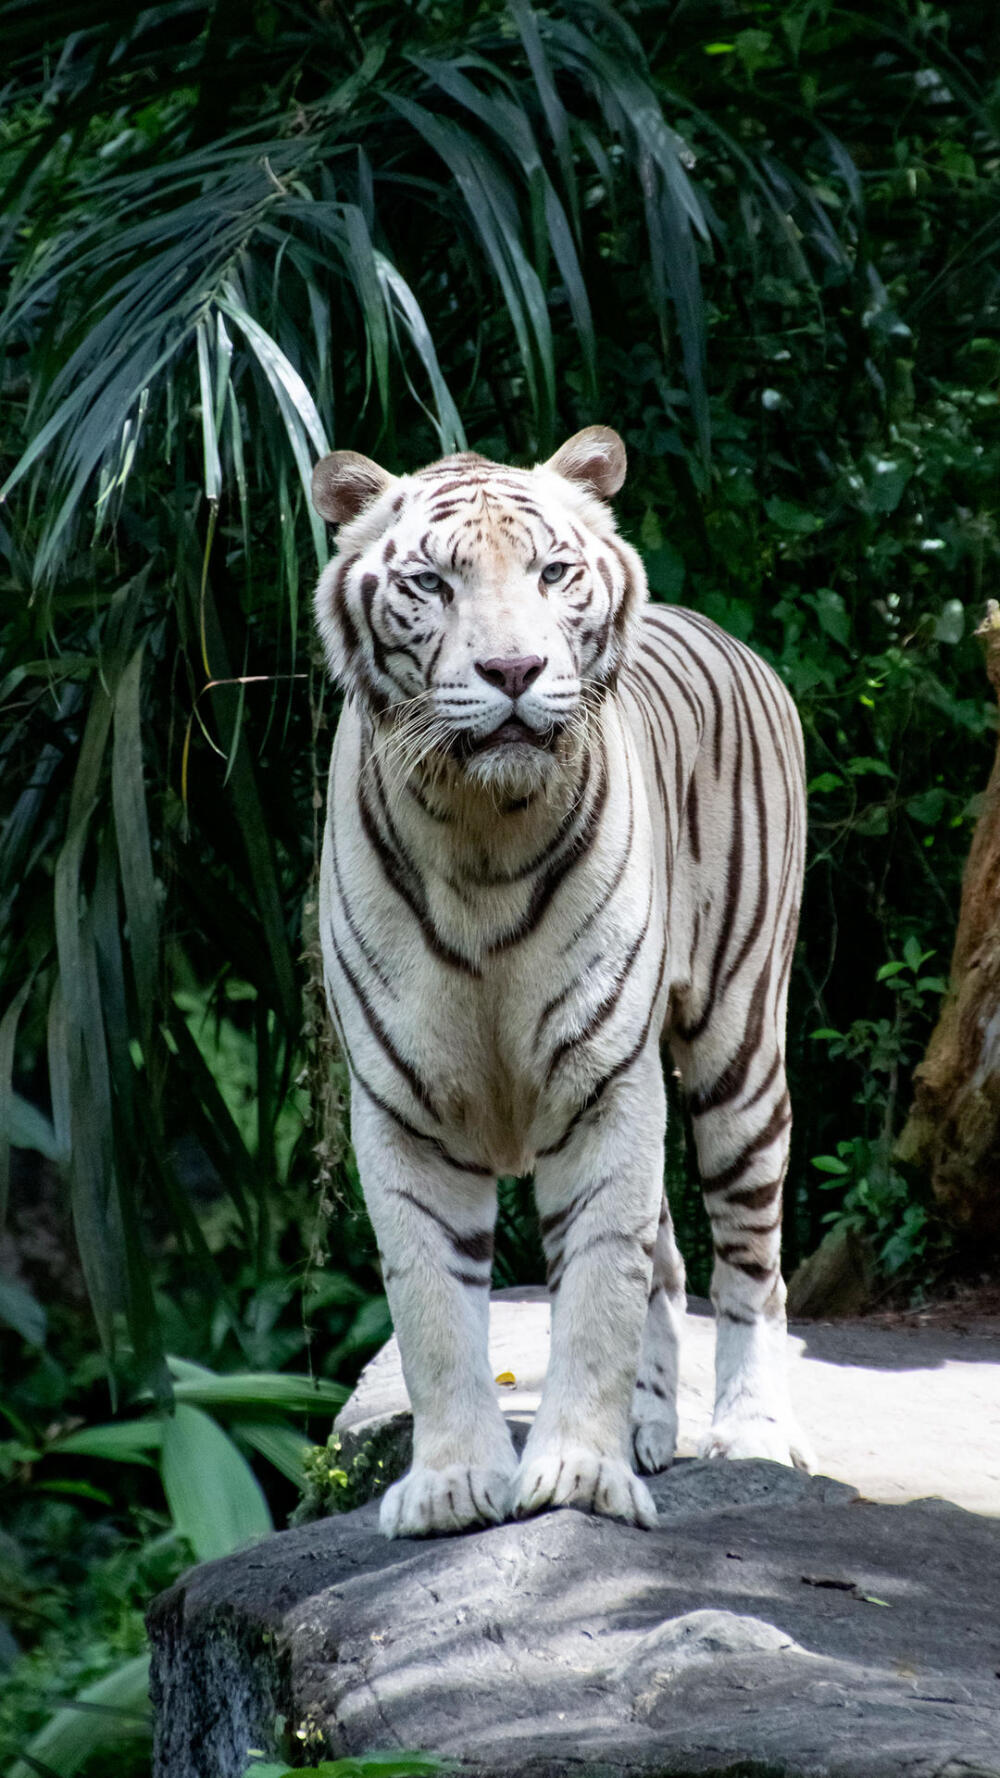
511	733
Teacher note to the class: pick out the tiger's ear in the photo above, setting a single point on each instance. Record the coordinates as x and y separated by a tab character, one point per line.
344	483
595	458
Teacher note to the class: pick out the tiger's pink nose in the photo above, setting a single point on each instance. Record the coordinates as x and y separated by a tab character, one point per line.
512	676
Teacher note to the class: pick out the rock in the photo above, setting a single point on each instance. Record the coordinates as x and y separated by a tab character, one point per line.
838	1279
899	1412
772	1618
773	1622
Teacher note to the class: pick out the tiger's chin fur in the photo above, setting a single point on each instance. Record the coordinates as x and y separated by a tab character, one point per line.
511	771
560	827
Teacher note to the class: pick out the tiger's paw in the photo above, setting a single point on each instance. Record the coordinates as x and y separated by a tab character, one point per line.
436	1502
574	1476
775	1438
654	1442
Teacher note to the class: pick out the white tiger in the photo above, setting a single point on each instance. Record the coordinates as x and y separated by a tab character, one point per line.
560	826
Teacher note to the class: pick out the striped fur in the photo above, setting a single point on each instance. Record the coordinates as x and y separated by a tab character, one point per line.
525	887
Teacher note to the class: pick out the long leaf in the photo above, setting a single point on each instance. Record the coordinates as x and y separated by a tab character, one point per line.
72	1736
262	1389
281	1445
8	1036
122	1441
132	832
215	1499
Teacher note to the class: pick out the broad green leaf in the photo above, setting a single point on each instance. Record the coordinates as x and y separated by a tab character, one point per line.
555	113
263	1389
950	625
914	953
83	1067
123	1441
295	404
209	426
8	1036
493	213
361	261
789	516
280	372
832	613
864	763
281	1445
19	1310
828	1163
404	305
132	833
215	1499
113	1710
928	807
30	1128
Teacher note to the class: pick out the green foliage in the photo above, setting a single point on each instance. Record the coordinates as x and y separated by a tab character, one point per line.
57	1572
720	244
878	1199
345	1473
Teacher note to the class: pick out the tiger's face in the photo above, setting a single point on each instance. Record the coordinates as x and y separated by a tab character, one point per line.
477	610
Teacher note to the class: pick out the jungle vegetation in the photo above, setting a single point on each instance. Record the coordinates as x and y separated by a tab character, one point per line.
762	241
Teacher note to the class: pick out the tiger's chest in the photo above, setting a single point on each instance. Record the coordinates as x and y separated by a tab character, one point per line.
509	1055
486	1014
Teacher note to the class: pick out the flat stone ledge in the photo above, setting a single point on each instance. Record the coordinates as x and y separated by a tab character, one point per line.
773	1624
901	1413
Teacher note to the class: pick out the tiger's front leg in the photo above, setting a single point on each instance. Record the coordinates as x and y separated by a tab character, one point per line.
434	1224
598	1199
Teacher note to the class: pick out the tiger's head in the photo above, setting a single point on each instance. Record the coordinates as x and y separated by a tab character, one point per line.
479	611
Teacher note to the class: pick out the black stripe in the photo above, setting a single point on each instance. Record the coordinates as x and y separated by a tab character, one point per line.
411	893
477	1246
756	1197
599	906
408	1128
730	1083
550	1225
734	872
417	1087
656	619
614	1073
763	884
606	1007
575	848
360	941
778	1121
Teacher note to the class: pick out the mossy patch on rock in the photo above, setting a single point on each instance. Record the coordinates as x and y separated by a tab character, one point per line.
353	1468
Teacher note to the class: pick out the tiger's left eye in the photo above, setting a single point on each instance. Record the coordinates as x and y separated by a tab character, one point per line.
429	582
553	572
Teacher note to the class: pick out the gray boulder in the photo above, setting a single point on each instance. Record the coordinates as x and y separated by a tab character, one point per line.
773	1623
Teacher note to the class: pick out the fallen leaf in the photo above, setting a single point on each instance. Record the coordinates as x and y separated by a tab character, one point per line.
507	1378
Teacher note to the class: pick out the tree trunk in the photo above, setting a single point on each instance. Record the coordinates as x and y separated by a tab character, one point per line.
953	1131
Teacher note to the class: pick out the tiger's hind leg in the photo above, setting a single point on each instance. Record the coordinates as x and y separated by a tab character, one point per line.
741	1119
654	1404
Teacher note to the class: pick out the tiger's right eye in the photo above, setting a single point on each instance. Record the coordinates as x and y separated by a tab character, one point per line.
429	582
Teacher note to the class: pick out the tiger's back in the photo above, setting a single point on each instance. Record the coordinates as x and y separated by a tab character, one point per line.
722	763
